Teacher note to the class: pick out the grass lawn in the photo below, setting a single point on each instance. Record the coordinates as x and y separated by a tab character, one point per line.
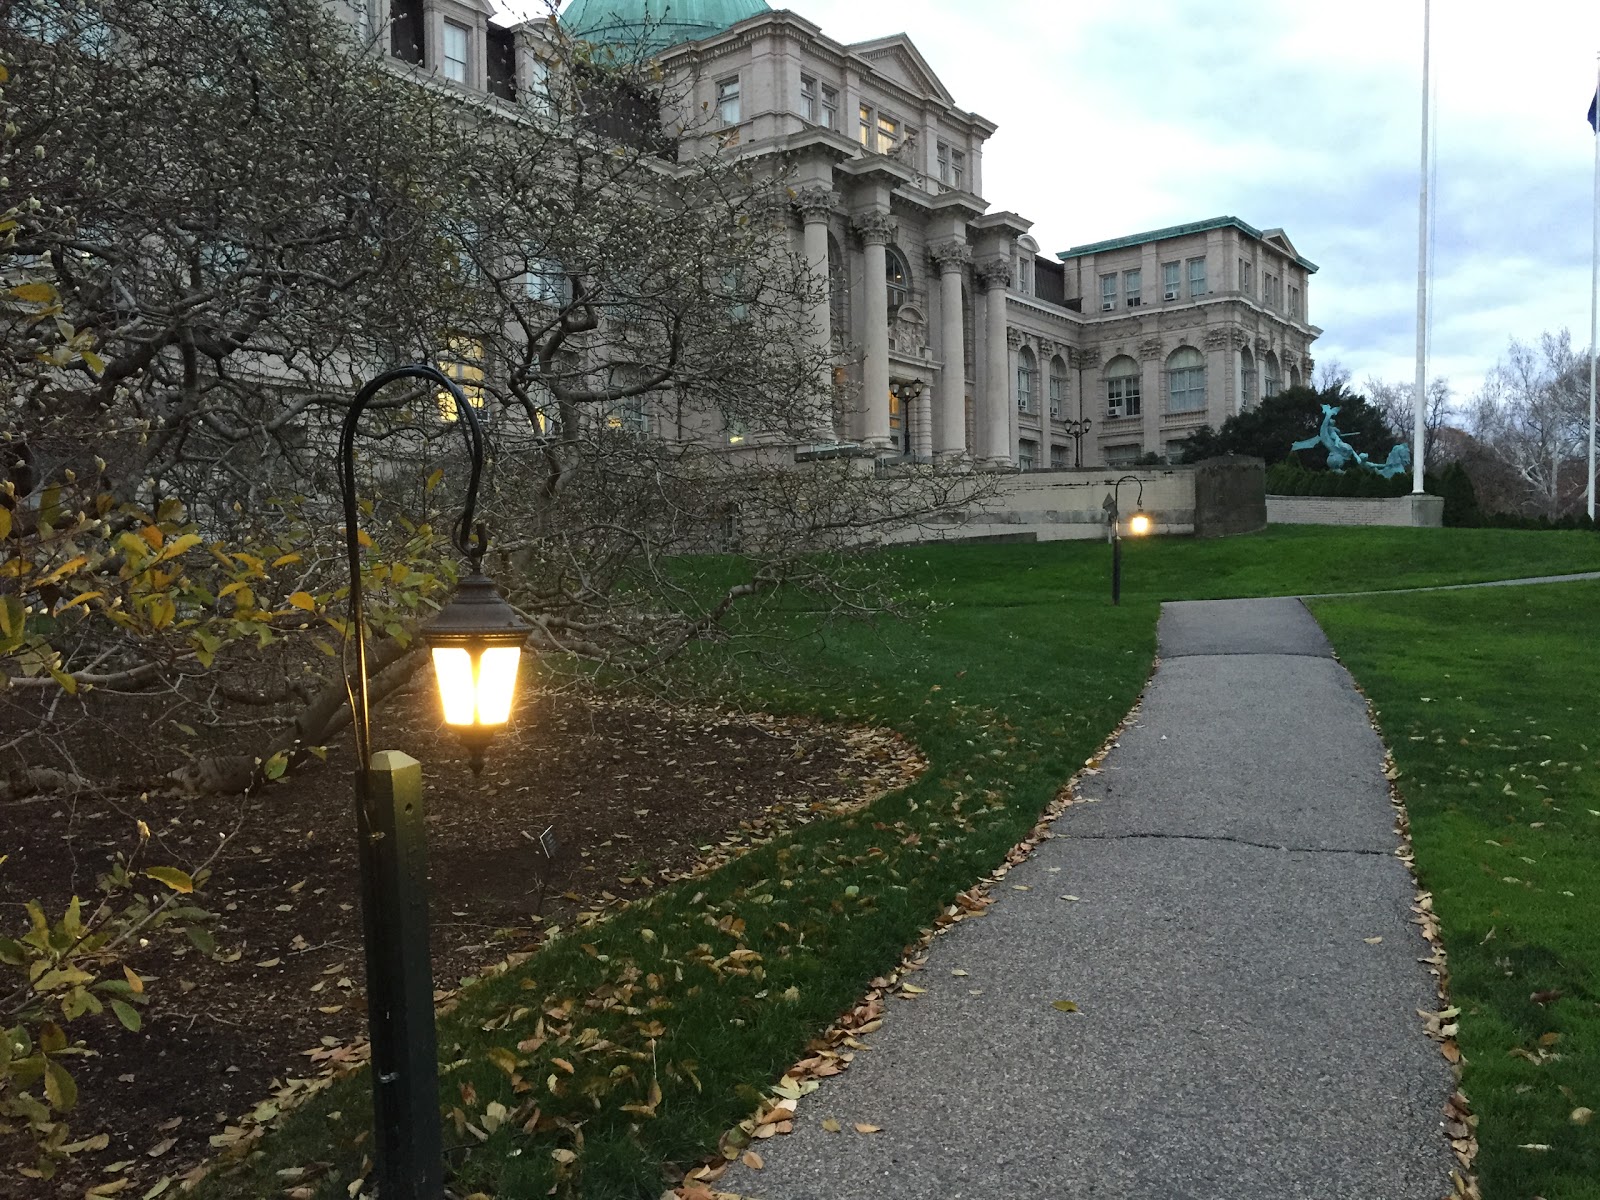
1488	699
638	1041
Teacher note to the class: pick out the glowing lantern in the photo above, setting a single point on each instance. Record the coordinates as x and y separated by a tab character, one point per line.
477	650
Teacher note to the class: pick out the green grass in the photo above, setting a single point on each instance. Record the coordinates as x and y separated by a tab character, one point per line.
1013	675
1488	699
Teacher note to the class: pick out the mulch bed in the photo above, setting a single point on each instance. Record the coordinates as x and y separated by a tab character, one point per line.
637	792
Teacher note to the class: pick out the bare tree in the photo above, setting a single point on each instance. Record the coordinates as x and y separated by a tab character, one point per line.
1394	401
227	214
1532	416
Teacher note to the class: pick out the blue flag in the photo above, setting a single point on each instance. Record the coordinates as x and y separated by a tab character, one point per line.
1594	112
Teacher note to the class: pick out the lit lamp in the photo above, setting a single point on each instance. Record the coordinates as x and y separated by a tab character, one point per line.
477	648
1139	525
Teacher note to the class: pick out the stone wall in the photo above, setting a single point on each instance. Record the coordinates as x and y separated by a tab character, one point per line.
1422	512
1230	496
1051	506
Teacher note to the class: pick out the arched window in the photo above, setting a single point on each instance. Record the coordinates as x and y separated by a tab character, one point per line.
1186	380
1294	376
1247	379
838	292
1027	372
898	272
1122	387
1058	387
1273	383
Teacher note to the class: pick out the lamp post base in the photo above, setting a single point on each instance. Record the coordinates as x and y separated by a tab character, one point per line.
407	1141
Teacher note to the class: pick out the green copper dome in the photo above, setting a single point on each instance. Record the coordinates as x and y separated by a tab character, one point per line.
656	24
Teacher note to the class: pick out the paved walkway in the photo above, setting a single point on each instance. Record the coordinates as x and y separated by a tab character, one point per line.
1238	1039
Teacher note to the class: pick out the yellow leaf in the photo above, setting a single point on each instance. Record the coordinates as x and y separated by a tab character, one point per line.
304	600
35	293
153	535
283	560
134	982
5	522
752	1160
94	362
178	881
831	1126
868	1129
59	1088
1065	1006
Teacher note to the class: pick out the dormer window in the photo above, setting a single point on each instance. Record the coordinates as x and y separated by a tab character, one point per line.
457	40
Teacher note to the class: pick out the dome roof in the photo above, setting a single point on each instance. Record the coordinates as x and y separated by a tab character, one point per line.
656	24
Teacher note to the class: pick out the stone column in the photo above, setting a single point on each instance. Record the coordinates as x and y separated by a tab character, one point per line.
877	231
816	205
950	438
922	427
994	276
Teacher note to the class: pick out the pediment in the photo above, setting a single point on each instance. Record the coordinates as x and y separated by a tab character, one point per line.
896	58
1280	240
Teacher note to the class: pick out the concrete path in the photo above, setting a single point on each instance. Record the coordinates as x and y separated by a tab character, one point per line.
1238	1037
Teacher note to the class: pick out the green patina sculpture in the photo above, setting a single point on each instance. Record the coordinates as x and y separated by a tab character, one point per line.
1342	454
655	24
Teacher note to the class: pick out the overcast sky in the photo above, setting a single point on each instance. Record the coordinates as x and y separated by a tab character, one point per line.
1117	118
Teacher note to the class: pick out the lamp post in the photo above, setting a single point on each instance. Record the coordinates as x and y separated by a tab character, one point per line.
1076	430
1138	526
477	645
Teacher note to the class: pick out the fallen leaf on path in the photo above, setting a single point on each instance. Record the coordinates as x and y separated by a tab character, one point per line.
752	1160
868	1129
1372	941
959	974
831	1126
1064	1006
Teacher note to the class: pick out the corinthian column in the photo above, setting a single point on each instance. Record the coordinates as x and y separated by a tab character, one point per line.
816	206
950	431
877	230
994	275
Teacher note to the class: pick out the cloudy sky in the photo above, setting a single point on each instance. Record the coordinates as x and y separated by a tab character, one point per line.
1116	118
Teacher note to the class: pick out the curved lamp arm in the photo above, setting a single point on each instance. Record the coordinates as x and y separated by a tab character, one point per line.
1116	502
472	543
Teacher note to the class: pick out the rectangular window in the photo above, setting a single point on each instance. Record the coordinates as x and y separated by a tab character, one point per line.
1058	456
1247	277
456	40
1175	451
502	63
465	366
1108	293
865	133
1122	396
958	170
1027	454
1024	388
1197	277
405	30
897	422
808	98
944	162
1170	280
1123	456
1057	387
1133	287
1294	303
888	134
545	282
728	101
1188	390
830	107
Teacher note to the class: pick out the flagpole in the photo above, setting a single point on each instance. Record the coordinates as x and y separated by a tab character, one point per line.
1420	395
1594	289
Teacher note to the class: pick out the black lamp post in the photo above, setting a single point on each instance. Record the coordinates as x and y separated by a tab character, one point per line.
1138	526
477	646
1076	430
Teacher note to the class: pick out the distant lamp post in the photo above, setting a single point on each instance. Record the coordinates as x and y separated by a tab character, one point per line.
1076	430
477	647
1139	525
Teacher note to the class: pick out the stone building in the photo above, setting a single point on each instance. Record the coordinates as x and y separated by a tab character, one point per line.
957	338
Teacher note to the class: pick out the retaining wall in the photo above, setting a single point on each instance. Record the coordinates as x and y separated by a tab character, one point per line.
1422	512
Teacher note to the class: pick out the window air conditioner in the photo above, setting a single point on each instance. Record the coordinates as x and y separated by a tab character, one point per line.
1108	306
1171	295
1113	411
